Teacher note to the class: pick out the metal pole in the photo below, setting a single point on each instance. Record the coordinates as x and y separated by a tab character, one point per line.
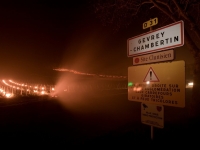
151	132
151	126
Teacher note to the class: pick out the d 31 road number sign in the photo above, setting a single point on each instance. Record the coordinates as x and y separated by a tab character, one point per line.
151	22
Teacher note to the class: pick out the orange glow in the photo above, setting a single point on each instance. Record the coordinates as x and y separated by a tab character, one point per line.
11	87
14	82
147	82
8	95
137	89
89	74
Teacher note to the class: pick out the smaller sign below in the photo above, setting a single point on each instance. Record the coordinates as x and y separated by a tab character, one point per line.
154	57
152	115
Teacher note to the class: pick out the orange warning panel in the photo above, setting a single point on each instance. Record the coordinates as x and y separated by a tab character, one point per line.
160	83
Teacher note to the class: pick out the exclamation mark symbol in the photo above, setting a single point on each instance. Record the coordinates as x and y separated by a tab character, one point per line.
150	75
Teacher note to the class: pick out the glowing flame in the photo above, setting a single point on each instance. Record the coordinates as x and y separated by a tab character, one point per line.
8	95
147	82
89	74
190	84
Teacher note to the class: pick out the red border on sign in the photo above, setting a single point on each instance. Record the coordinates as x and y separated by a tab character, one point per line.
159	49
154	74
135	64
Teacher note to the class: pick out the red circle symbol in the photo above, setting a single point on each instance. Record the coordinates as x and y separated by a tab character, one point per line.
137	60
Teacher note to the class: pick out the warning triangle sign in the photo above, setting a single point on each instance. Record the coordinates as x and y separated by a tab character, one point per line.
151	76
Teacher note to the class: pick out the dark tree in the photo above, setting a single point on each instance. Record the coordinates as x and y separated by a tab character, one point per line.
122	13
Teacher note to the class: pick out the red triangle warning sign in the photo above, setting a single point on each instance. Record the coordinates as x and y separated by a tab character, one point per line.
151	76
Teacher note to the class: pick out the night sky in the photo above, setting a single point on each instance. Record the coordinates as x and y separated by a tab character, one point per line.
36	37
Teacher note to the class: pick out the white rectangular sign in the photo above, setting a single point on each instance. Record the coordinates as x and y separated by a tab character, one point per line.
154	57
164	38
152	115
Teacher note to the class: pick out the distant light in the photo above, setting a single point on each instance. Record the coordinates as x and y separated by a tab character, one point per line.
8	95
190	83
43	93
130	83
147	82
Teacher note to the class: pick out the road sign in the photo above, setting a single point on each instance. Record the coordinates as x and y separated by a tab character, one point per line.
152	115
164	38
151	76
154	57
160	83
150	23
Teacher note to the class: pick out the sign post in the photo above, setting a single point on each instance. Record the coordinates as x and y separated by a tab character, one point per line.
152	115
155	85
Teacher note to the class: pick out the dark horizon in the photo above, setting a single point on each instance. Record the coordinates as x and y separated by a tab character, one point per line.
37	37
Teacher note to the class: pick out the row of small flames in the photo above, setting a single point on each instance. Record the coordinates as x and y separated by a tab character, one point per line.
39	90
